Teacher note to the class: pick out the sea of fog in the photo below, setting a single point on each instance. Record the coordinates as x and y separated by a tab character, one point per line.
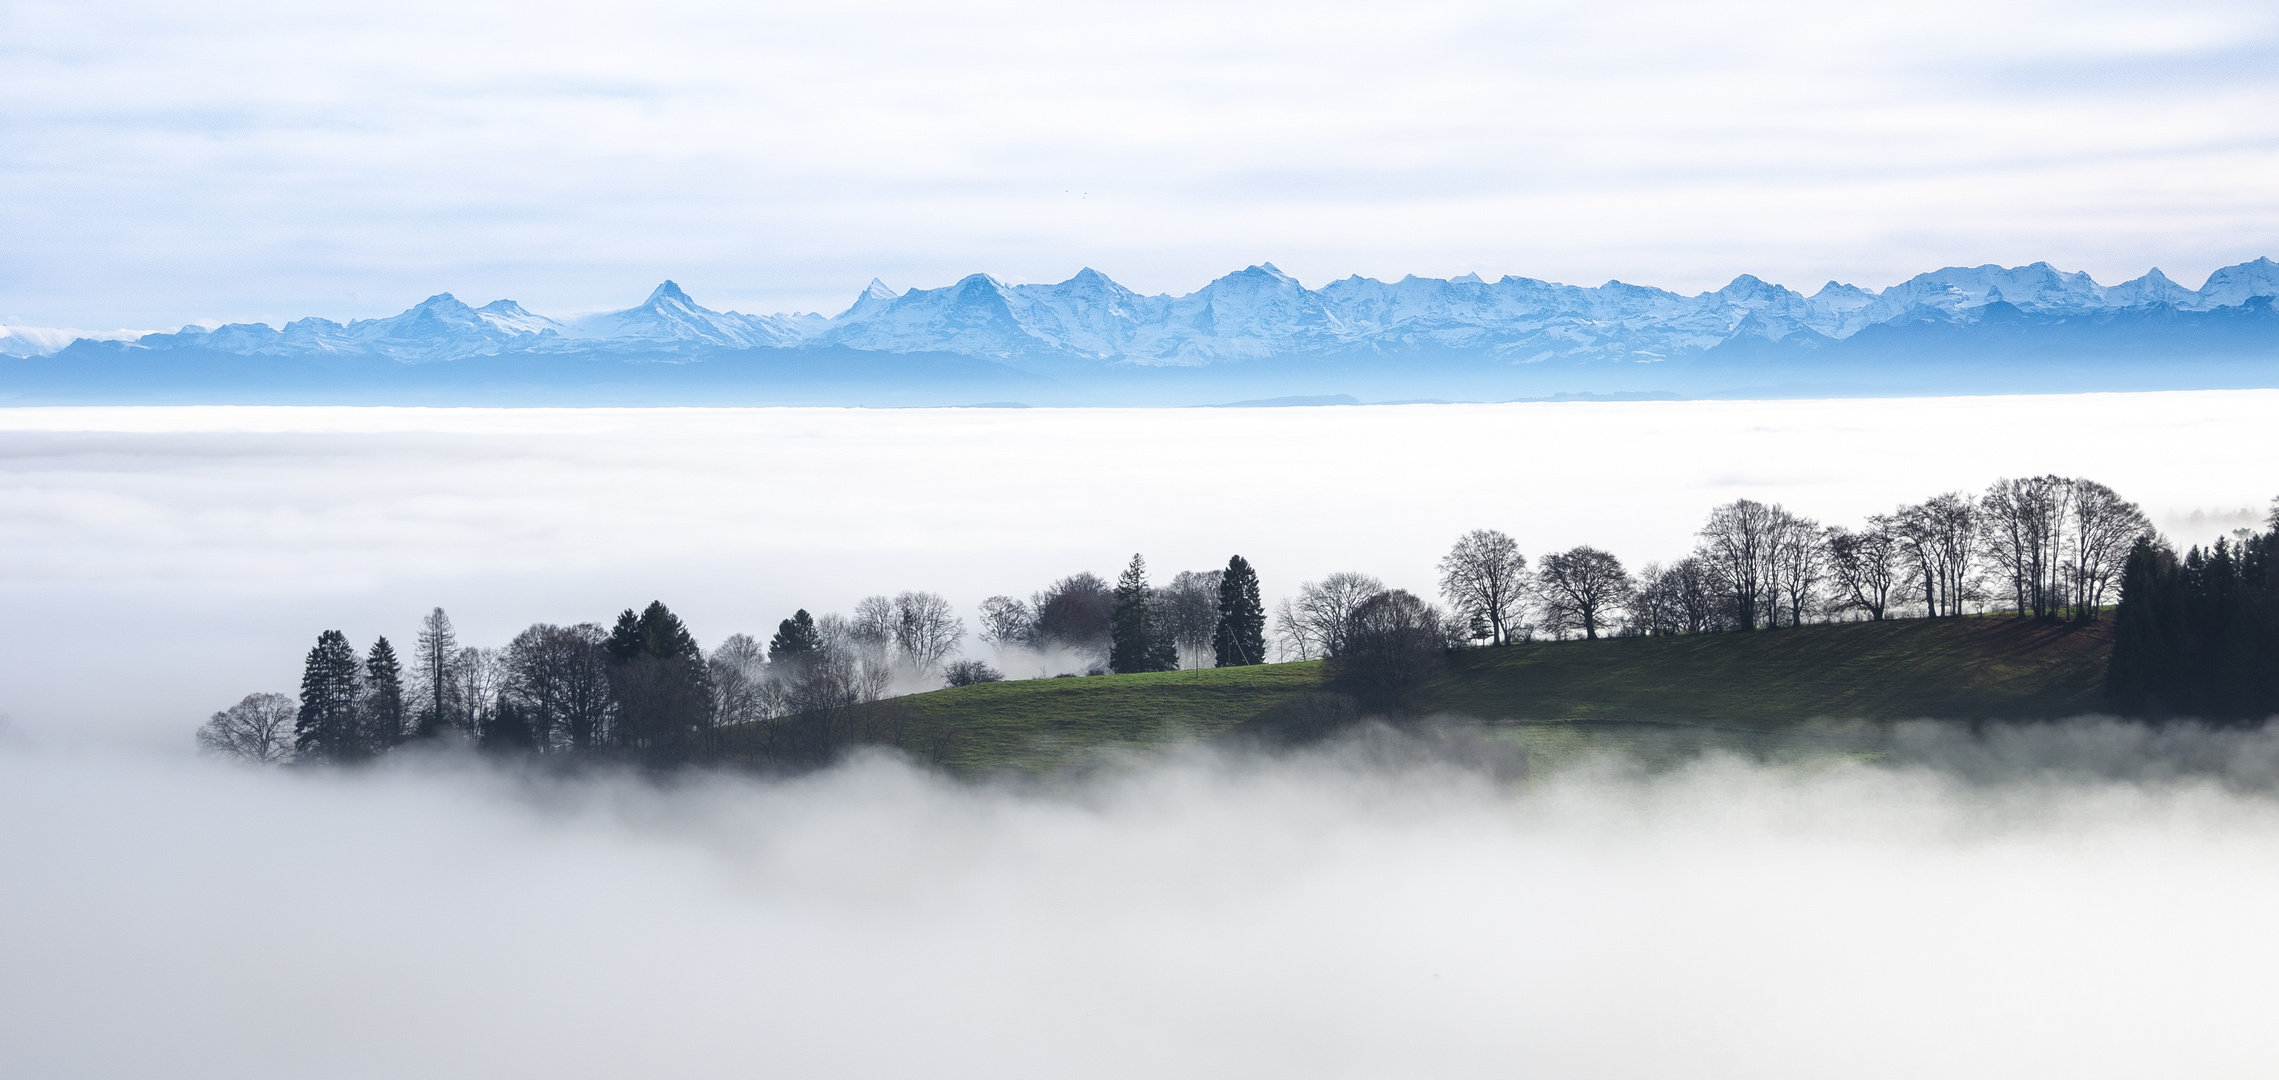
2082	899
156	564
2074	900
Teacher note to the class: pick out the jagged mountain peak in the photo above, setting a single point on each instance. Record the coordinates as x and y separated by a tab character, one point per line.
1260	311
2240	282
1262	271
668	292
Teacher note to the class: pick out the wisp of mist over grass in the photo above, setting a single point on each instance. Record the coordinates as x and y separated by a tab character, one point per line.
2084	899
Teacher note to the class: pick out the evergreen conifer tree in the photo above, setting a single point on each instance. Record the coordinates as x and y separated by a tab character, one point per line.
624	638
507	730
663	635
325	730
2198	636
2144	631
383	698
1137	641
1241	636
795	639
658	679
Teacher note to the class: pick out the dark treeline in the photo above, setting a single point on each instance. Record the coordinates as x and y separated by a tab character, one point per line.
2198	636
644	688
2195	635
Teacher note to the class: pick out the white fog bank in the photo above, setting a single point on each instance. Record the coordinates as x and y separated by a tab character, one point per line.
2084	900
157	564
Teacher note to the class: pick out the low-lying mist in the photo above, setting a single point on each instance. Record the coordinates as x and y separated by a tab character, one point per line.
2081	899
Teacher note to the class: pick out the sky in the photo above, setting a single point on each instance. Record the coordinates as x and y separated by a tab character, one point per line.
163	163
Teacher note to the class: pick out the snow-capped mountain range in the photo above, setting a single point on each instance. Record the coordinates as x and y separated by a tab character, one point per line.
1089	321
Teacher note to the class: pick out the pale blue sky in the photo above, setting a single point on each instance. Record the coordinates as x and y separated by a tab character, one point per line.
266	161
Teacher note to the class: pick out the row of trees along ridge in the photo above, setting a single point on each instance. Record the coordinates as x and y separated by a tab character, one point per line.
645	685
2196	634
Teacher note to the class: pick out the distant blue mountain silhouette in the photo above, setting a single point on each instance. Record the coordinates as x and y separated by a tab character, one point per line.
1255	334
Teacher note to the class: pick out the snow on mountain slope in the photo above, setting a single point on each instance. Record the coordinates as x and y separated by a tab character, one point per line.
974	317
2237	284
1251	314
670	318
41	340
2153	288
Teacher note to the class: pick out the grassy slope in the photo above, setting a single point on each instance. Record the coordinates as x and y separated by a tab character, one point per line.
1953	669
1957	669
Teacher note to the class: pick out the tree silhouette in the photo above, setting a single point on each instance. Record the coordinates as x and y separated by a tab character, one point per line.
325	730
1241	636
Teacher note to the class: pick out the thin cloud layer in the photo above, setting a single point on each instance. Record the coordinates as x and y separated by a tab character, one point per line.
2080	900
245	161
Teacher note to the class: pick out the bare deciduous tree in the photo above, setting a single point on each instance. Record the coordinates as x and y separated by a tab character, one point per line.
1191	611
1940	538
1485	575
2022	526
1313	625
1866	567
1800	565
1741	539
926	628
257	729
560	677
738	669
1006	622
2105	527
1583	588
1076	612
1654	608
478	676
873	622
435	689
842	674
1392	643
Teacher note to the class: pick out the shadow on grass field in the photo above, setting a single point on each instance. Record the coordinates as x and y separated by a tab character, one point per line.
1952	669
1738	690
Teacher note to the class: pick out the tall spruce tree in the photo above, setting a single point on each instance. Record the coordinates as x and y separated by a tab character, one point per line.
2145	631
325	730
1241	636
383	698
658	678
664	636
795	639
1137	640
2198	636
625	637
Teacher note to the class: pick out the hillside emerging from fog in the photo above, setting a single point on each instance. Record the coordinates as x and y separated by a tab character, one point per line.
1740	689
1256	335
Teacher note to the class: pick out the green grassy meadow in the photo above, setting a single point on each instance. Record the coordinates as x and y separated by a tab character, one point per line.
1707	688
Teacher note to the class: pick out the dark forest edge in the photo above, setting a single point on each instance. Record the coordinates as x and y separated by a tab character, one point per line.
2192	635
